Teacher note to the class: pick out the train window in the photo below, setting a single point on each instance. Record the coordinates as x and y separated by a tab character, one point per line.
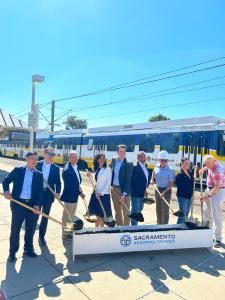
221	145
170	142
147	144
90	144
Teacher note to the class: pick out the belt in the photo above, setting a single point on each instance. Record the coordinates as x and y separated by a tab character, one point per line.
162	188
221	188
117	186
25	200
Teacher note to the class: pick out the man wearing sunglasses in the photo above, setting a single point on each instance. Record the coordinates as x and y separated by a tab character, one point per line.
51	177
163	176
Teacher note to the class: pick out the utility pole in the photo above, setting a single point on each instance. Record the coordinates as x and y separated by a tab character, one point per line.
52	116
33	115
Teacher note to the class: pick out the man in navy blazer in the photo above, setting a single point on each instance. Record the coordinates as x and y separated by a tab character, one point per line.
72	190
139	182
27	188
51	176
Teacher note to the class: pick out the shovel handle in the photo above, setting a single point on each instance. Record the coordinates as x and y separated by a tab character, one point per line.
34	210
163	198
58	199
118	198
99	200
192	202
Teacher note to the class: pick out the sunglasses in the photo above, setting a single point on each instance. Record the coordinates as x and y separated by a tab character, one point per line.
51	154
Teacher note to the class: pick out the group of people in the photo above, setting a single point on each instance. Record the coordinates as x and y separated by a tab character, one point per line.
38	183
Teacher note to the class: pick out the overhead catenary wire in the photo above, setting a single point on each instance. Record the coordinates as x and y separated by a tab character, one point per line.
131	99
160	107
127	84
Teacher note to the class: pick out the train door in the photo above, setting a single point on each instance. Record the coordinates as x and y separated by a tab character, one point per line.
196	145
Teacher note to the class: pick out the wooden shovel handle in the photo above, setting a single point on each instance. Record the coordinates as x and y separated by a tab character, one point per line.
155	186
34	210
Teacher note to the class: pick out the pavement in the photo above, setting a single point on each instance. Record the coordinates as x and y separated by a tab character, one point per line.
176	274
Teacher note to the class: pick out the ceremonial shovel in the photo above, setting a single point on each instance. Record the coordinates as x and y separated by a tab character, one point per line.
135	216
91	219
76	225
175	213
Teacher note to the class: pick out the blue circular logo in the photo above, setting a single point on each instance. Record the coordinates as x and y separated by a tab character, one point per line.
125	240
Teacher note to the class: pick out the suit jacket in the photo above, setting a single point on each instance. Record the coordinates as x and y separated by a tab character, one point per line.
17	177
125	174
53	179
71	189
139	181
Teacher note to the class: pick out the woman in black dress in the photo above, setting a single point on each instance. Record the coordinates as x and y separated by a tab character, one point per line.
103	177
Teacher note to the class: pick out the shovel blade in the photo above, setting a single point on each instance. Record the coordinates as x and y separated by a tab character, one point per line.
137	217
178	213
90	218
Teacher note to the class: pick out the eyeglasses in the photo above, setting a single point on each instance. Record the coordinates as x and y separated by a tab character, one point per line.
51	154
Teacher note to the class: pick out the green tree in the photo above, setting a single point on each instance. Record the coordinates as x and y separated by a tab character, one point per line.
158	117
72	122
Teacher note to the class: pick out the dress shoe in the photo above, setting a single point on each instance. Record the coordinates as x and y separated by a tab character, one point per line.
30	253
11	258
42	242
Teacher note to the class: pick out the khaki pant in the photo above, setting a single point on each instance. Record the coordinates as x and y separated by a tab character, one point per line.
120	211
71	208
162	210
213	212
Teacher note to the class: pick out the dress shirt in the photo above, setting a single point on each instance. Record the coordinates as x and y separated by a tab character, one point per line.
144	170
118	164
76	171
217	175
27	184
45	171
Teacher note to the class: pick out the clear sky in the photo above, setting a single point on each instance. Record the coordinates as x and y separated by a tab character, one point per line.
87	45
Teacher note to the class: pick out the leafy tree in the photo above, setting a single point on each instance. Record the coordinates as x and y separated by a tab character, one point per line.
72	122
158	117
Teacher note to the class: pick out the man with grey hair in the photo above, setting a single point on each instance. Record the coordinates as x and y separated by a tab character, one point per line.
214	196
72	190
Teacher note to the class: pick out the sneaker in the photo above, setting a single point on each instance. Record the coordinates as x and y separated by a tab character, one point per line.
217	244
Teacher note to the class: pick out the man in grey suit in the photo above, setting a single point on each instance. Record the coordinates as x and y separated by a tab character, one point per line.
121	185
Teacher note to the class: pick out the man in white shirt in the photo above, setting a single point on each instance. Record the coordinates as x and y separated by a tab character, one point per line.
72	190
51	176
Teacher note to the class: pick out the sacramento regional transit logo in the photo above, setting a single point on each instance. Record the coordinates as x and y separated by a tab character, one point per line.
125	240
147	239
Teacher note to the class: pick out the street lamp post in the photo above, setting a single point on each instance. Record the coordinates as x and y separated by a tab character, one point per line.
35	78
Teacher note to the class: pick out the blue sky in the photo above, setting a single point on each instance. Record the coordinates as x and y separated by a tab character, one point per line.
86	45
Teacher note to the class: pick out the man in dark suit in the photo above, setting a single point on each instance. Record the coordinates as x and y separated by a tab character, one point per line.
72	190
28	189
139	182
51	176
121	185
